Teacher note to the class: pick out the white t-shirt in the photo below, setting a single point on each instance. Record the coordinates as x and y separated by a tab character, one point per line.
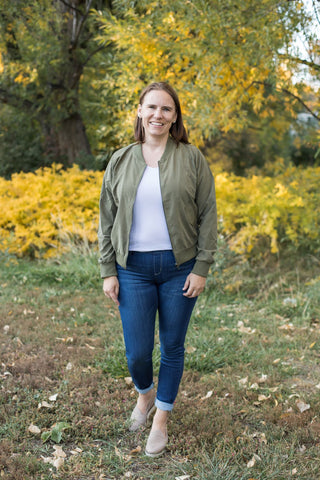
149	229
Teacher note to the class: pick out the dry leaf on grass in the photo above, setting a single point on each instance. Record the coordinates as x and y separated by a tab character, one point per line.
243	381
253	461
262	398
190	349
209	394
135	450
287	327
34	429
260	436
76	451
45	405
302	406
243	329
57	460
184	477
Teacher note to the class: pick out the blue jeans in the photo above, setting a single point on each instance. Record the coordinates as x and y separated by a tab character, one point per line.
152	282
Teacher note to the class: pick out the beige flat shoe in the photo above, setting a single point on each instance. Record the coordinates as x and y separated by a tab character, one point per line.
156	443
139	419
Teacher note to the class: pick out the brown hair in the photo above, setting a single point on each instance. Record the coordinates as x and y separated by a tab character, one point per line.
177	130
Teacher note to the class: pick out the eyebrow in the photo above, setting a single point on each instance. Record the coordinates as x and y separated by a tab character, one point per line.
163	106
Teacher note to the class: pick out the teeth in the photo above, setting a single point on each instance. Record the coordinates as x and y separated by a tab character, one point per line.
154	123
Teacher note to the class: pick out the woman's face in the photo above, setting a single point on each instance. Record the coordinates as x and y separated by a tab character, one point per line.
158	113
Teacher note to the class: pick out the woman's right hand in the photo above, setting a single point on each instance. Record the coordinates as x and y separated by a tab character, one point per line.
111	288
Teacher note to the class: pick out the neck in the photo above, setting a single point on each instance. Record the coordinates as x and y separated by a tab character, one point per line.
156	142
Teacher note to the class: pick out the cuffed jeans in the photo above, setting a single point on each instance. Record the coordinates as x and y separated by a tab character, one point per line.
152	282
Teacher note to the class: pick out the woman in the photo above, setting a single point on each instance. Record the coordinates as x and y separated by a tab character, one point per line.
157	236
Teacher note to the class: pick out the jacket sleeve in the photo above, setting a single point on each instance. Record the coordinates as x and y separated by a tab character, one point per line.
207	217
108	212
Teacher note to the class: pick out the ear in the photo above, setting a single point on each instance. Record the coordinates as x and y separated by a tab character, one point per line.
139	111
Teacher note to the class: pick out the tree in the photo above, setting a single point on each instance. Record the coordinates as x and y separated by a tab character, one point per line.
45	47
224	57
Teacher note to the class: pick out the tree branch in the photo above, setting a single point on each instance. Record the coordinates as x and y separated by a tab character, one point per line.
309	63
290	94
71	6
92	54
13	100
81	22
315	11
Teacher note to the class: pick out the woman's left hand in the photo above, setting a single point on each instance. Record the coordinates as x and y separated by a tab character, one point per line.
194	285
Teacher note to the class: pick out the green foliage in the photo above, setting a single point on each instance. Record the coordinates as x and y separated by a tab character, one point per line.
71	73
55	433
21	147
222	59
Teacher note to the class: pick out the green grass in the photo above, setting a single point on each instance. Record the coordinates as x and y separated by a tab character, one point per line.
252	353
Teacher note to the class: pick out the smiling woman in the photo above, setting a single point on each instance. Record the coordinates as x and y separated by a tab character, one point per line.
158	114
157	235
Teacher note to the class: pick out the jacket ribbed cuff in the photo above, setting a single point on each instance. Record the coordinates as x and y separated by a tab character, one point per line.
201	268
108	270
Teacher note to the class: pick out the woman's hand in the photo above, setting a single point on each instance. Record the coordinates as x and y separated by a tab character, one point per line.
194	285
111	288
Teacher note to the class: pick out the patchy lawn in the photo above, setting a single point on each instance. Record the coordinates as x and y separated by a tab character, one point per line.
248	406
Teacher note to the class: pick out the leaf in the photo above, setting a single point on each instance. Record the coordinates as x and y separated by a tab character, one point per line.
253	461
45	436
76	451
183	477
302	406
58	452
243	329
243	381
209	394
58	462
190	349
262	398
135	450
56	435
45	404
34	429
53	398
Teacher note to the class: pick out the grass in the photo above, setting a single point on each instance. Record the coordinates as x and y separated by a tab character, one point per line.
248	406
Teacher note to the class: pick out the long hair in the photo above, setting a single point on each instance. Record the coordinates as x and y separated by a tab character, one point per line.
177	130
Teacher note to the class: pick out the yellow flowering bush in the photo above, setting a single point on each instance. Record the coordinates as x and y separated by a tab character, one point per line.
281	209
45	212
42	211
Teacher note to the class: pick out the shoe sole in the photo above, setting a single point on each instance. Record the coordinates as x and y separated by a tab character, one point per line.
155	455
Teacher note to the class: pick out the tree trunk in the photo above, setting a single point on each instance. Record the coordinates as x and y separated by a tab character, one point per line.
66	142
72	139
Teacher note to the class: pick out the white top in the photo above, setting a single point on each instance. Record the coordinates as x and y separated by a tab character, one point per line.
149	229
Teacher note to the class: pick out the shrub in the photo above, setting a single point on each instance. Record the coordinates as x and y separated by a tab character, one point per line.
44	213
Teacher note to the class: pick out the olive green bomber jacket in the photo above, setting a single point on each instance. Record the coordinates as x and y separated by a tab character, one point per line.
189	203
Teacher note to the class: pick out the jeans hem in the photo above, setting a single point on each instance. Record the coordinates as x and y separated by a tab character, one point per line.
163	405
144	390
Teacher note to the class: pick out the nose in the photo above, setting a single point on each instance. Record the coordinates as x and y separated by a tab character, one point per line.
158	112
